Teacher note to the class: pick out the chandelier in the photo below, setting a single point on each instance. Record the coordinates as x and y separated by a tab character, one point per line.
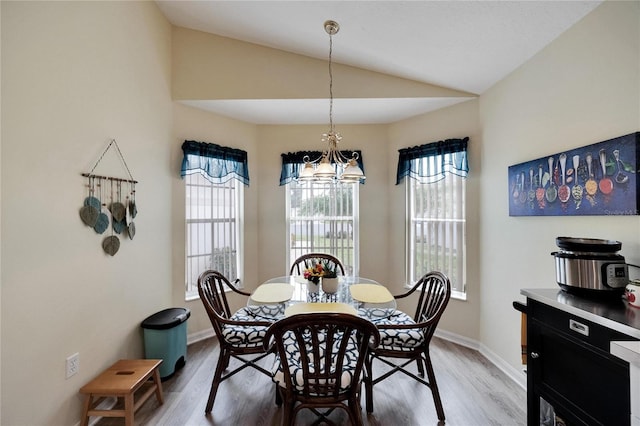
324	167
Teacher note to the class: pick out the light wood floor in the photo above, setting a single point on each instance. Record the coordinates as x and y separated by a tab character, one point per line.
473	391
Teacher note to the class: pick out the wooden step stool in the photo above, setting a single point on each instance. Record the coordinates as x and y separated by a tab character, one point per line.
122	380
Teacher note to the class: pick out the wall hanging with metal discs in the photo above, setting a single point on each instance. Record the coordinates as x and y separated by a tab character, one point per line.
110	204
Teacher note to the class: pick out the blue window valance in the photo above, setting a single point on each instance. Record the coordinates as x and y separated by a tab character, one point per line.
293	163
216	163
431	162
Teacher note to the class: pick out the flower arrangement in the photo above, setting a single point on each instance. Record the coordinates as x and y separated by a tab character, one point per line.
320	269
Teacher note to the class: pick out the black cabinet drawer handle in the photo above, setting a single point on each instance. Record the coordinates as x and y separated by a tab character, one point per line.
579	327
535	355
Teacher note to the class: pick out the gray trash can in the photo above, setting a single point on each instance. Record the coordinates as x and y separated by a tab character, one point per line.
165	337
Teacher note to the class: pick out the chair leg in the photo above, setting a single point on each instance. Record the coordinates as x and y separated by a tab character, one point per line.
288	418
420	367
368	384
278	395
355	412
223	361
434	387
226	362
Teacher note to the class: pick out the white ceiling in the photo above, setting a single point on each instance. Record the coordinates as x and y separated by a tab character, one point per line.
462	45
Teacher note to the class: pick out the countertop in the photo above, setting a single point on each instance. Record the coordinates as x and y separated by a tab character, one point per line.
614	314
628	351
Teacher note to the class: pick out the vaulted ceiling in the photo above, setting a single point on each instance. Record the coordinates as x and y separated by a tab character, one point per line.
462	45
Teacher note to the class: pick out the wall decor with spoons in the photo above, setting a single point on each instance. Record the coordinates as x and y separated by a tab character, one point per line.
604	173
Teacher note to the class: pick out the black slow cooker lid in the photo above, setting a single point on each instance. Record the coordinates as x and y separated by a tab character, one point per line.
588	245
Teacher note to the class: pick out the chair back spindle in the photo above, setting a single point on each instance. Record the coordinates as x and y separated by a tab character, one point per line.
433	299
308	260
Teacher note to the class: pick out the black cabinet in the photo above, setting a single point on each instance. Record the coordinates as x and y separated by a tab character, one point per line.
569	365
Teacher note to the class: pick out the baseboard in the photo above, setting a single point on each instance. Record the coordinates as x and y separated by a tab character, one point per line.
106	404
517	376
457	339
200	335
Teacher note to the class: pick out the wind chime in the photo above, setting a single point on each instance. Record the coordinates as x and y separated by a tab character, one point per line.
110	203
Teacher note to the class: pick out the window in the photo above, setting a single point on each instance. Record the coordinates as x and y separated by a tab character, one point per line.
436	226
212	233
437	229
214	178
323	217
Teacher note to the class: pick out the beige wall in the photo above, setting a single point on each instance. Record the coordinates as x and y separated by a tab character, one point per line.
195	124
582	89
374	214
207	66
0	218
462	316
75	75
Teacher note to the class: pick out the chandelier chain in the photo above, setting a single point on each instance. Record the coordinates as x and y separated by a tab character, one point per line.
330	84
332	159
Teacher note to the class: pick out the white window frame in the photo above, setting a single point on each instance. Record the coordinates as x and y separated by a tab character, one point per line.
224	216
440	226
343	230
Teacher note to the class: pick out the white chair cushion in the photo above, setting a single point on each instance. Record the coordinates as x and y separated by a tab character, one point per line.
295	365
244	335
398	340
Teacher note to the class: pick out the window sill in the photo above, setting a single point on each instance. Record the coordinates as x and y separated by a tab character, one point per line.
196	296
458	295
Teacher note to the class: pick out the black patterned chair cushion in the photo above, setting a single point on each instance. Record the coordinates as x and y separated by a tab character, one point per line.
272	312
243	335
398	340
375	314
295	367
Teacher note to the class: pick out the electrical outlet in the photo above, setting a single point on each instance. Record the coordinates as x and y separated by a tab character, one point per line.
73	364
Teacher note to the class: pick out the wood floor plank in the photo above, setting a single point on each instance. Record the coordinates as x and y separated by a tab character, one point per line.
473	391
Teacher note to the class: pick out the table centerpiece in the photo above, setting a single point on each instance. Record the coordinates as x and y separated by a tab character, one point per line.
324	271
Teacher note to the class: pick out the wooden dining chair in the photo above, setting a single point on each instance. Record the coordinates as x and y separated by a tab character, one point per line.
319	363
310	259
240	334
404	340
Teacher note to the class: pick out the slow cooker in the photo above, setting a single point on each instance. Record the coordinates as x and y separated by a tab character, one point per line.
590	266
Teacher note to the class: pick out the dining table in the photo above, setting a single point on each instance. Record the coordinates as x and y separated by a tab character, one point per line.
283	296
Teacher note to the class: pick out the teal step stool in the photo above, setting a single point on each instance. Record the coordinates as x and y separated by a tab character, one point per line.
165	337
